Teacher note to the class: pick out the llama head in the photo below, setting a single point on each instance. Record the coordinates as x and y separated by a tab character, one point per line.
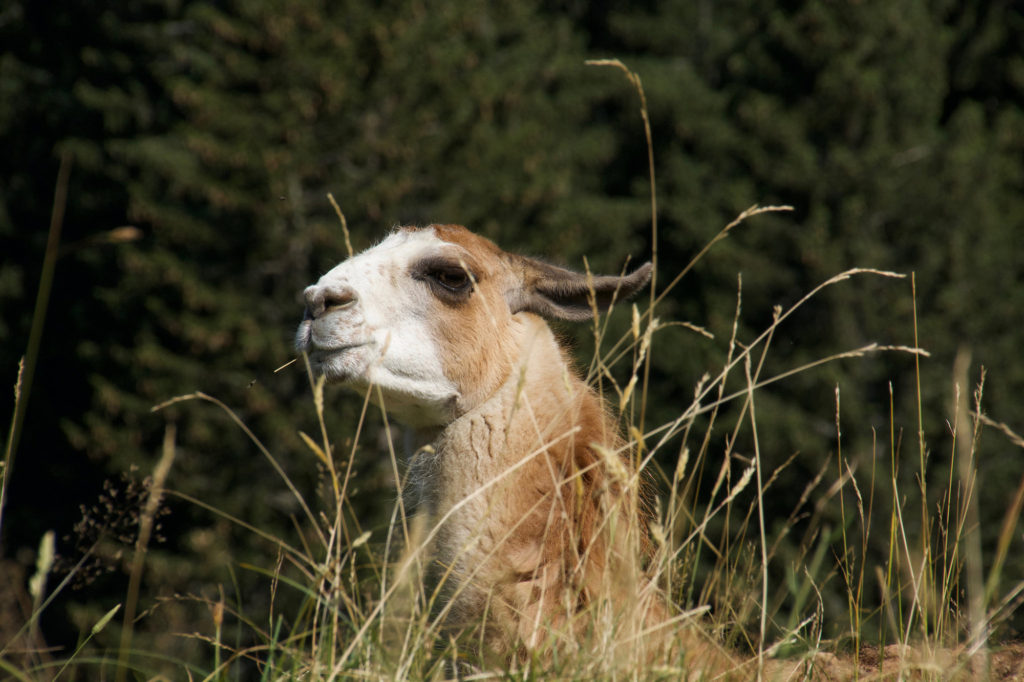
434	317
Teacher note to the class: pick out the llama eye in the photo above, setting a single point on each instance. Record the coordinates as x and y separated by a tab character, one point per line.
453	279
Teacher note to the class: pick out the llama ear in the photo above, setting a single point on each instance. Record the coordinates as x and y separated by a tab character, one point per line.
551	291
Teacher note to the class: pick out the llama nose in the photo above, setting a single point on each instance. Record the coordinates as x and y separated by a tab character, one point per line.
321	300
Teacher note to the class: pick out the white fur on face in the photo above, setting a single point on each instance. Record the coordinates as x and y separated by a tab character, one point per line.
383	337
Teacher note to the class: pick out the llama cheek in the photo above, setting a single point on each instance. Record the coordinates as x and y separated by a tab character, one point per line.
473	350
410	378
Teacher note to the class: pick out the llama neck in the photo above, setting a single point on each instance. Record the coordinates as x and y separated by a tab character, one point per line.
524	435
512	484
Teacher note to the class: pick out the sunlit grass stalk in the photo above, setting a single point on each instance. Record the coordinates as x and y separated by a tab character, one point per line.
634	79
894	618
865	536
844	558
332	560
965	448
762	534
146	521
951	542
218	625
926	580
702	453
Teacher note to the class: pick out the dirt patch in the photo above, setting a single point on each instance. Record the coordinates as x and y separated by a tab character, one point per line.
897	662
1007	662
1004	662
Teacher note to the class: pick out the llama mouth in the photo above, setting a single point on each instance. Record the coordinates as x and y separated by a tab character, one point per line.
339	362
339	348
323	353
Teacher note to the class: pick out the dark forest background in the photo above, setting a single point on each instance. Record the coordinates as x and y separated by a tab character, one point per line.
216	129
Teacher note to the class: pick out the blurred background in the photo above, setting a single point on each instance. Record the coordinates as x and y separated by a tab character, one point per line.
200	141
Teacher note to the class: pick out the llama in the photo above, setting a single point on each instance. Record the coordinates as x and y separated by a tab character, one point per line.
539	520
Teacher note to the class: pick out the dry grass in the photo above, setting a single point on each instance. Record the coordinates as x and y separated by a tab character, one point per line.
367	612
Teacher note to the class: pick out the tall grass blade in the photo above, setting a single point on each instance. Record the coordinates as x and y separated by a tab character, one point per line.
27	368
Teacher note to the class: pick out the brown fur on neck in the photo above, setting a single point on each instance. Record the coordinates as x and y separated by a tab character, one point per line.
535	525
